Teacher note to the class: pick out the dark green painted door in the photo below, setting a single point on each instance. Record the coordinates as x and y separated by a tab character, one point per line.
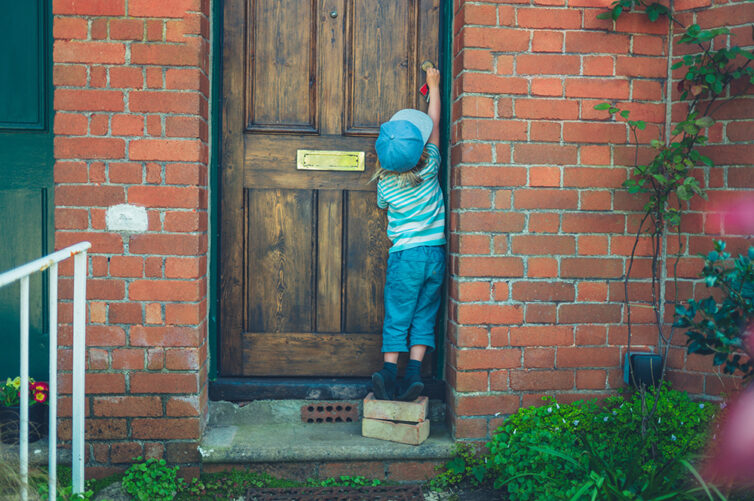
26	178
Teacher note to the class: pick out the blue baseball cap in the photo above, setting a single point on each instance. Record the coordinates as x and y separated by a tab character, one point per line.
401	141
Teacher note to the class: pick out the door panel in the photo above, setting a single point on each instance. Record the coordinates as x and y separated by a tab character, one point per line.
303	252
26	162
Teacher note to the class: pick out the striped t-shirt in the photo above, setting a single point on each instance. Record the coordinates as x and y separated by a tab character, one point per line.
415	214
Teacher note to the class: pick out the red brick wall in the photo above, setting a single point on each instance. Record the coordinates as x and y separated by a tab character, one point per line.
541	229
131	100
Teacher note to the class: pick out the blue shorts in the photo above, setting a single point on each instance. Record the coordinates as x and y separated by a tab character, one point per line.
413	288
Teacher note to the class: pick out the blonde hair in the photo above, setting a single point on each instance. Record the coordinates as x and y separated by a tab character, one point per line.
409	178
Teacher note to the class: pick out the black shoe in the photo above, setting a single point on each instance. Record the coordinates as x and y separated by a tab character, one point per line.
413	387
383	385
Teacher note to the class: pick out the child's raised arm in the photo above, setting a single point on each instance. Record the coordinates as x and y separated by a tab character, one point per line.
433	82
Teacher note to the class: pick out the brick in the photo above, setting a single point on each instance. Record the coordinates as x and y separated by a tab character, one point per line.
491	130
547	64
71	219
165	428
590	42
182	359
183	314
166	150
164	102
597	88
545	199
489	266
549	109
163	383
599	66
89	52
89	8
148	8
497	39
125	313
127	359
547	41
528	380
126	77
529	335
545	176
69	75
471	336
492	84
542	291
541	268
126	29
470	381
588	357
165	55
470	428
580	132
487	405
126	266
127	125
591	379
412	470
538	17
543	245
472	291
543	358
127	406
544	154
125	452
589	313
595	200
165	336
404	433
591	268
68	28
413	412
166	244
552	87
593	223
486	359
490	176
89	147
182	407
165	290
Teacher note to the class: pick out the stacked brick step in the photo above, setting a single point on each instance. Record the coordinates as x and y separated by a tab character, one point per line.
403	422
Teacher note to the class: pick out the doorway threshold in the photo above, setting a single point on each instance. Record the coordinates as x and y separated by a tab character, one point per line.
272	431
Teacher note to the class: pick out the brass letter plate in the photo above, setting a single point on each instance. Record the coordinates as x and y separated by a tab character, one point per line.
329	160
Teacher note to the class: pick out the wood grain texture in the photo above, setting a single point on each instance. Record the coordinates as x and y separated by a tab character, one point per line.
329	261
304	354
280	264
366	257
382	59
231	191
281	84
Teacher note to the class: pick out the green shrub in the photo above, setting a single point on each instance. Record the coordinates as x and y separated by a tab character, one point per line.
467	466
719	328
520	458
151	480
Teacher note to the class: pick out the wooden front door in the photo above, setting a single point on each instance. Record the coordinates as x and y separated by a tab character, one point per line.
303	254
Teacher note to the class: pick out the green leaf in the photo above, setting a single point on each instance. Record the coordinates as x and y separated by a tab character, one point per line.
602	106
625	113
705	122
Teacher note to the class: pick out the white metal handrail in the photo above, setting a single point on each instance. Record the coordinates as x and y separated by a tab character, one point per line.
22	273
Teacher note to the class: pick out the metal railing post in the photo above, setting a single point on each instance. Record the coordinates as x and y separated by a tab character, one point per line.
52	458
79	363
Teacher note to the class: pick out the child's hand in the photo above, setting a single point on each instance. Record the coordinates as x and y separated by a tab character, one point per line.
433	78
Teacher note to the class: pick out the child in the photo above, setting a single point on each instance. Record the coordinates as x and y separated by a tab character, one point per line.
409	159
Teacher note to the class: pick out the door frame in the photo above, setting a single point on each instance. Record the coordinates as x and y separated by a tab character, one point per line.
248	388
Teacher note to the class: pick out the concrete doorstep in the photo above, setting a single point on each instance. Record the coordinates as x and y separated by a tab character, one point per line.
268	431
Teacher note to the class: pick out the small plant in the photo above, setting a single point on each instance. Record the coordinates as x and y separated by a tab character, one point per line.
346	481
721	327
10	392
467	466
589	434
151	480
